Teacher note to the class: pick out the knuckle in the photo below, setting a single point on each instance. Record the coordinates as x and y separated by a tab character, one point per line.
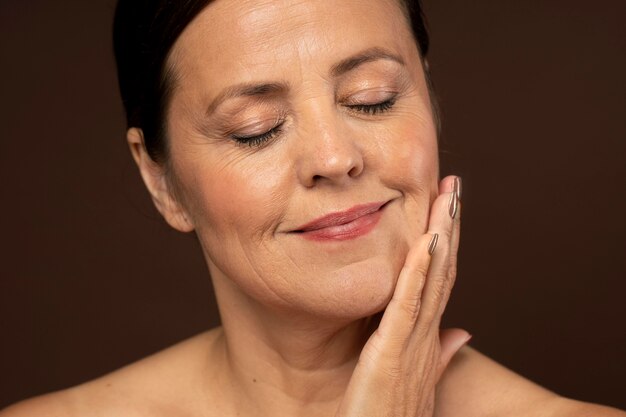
408	306
439	288
421	269
429	315
393	371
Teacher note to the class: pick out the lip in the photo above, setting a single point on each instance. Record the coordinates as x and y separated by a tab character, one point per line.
343	225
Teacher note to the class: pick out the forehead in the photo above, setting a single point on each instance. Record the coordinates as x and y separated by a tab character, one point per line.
244	40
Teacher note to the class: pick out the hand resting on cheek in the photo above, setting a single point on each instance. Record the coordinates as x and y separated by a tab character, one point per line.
405	357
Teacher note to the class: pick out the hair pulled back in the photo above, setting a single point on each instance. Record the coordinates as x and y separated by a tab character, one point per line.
144	32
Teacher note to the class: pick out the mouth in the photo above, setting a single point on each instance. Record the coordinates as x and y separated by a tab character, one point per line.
344	225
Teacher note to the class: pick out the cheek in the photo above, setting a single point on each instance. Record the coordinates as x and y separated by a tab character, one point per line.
236	205
236	198
408	158
409	163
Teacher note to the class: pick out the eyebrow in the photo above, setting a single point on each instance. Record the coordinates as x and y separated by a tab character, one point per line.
368	55
264	89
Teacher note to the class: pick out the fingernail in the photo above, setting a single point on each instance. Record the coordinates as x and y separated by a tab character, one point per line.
433	243
453	205
463	343
458	187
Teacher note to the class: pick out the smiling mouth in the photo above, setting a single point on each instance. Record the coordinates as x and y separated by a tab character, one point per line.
345	225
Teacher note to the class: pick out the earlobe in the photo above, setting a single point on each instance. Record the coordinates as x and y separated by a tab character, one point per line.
155	179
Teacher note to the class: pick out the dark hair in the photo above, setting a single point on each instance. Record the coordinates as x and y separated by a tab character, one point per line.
144	32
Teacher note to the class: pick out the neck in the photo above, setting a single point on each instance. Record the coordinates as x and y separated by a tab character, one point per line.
285	363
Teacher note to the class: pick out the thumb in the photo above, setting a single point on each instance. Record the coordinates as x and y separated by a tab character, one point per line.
451	341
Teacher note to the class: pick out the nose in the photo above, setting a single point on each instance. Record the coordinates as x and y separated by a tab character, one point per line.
330	154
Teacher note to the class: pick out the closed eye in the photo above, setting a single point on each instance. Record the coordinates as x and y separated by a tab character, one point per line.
258	140
373	109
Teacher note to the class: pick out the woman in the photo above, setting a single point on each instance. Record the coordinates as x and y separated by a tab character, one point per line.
302	150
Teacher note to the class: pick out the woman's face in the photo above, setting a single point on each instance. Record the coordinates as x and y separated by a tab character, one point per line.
285	112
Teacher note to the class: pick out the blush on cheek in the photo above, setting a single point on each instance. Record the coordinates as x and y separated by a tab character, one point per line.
411	161
410	144
413	169
229	190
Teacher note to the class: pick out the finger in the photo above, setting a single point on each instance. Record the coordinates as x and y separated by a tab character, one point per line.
450	184
451	340
445	221
446	185
403	309
456	233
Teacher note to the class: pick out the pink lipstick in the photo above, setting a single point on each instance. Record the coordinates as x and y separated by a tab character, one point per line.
343	225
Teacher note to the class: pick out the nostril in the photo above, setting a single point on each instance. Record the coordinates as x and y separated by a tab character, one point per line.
355	171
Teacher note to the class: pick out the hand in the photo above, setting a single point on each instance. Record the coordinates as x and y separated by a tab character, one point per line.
405	357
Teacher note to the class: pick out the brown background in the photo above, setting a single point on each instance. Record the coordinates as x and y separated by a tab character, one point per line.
534	102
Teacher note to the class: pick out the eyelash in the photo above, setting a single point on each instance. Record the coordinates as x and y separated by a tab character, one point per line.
258	140
373	109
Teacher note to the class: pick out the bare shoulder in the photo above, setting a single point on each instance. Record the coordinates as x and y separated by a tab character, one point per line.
50	405
142	388
84	401
475	385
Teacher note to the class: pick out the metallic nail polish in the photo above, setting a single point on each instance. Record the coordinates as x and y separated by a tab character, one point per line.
453	205
433	243
458	186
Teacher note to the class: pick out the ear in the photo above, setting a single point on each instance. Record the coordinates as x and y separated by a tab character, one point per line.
154	177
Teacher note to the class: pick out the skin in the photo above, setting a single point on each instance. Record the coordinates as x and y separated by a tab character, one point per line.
298	334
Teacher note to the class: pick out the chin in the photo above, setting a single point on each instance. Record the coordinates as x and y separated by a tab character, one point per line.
358	287
356	291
